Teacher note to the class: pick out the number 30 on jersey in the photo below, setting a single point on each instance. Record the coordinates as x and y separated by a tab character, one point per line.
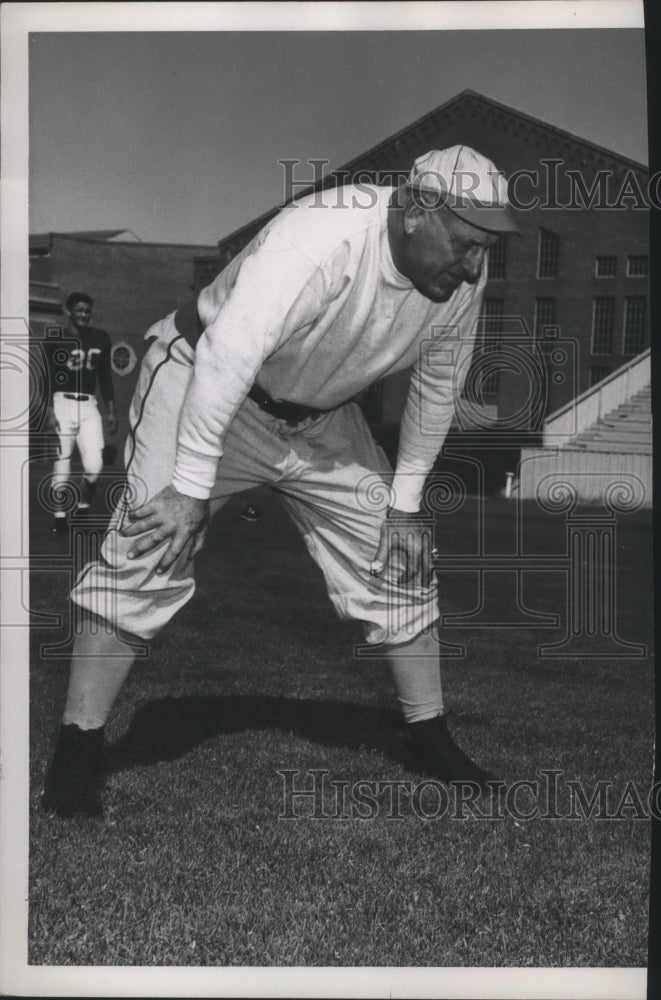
79	358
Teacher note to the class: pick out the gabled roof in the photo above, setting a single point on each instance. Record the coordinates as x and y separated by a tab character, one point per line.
509	119
124	235
96	235
42	242
524	128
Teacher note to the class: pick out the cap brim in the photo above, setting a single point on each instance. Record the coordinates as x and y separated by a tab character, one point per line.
491	218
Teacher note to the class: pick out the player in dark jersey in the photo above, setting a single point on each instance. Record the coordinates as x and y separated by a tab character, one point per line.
78	365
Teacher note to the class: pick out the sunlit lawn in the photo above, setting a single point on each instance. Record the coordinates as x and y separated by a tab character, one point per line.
193	863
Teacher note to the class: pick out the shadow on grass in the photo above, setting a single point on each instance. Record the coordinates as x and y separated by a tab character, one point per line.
169	728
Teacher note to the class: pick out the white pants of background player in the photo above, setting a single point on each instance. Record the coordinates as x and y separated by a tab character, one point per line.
328	472
80	424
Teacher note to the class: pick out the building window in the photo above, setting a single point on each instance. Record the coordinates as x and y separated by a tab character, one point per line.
638	266
490	326
605	267
547	255
496	260
634	324
603	310
544	316
598	373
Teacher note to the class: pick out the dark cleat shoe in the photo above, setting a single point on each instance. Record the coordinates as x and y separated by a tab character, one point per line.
74	780
250	512
438	756
59	526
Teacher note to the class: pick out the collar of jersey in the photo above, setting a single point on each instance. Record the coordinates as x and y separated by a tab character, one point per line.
391	276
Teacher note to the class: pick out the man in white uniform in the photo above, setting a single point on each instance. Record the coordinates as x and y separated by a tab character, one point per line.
255	386
77	365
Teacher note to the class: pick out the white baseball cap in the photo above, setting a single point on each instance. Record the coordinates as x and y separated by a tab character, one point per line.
469	185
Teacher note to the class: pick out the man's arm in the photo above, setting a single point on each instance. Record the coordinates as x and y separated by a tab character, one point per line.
276	290
436	382
273	285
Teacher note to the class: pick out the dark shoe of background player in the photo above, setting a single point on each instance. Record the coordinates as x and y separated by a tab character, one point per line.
250	512
59	526
438	756
74	780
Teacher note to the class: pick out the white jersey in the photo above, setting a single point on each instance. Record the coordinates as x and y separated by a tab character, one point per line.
314	311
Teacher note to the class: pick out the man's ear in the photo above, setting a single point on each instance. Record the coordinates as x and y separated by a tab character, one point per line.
413	214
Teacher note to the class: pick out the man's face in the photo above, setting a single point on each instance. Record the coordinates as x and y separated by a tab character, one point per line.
80	315
441	251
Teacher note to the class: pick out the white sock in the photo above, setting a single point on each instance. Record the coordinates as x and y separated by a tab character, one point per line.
416	672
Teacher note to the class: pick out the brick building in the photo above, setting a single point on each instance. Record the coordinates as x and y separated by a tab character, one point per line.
133	285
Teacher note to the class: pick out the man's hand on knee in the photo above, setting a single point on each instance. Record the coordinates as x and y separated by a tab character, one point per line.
169	516
405	539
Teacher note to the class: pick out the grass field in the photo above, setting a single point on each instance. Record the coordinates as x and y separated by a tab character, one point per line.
193	864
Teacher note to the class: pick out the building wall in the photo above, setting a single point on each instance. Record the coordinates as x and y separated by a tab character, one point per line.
132	284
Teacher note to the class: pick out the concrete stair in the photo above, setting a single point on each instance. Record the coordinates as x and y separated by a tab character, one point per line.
598	447
628	428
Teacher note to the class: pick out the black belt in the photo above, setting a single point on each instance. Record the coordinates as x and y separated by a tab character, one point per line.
80	398
189	325
293	413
